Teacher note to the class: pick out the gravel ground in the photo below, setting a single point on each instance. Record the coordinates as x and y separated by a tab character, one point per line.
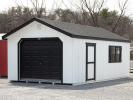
121	89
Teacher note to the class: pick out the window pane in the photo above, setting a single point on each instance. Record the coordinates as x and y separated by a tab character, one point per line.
117	50
112	54
112	50
118	54
117	58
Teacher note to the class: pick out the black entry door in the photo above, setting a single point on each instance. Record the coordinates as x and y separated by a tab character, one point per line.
41	58
90	61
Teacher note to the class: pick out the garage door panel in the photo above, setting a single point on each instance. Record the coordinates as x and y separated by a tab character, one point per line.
40	69
42	63
45	52
41	59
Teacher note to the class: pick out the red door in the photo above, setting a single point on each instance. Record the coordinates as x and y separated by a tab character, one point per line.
3	58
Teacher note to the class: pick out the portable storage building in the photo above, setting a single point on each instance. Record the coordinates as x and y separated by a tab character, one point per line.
3	57
65	53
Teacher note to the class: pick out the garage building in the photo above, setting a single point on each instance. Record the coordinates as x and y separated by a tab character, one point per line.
65	53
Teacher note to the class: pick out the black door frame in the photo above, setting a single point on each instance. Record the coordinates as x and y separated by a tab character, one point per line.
19	53
94	45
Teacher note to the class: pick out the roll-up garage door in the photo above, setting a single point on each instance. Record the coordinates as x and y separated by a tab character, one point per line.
41	58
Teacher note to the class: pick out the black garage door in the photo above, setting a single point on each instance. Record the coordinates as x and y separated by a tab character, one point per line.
41	58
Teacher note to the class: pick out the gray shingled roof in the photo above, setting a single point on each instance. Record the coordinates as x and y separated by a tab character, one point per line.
75	30
84	30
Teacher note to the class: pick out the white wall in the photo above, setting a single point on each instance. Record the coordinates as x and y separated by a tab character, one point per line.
74	55
35	30
104	70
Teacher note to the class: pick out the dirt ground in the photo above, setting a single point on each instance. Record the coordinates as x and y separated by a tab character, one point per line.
121	89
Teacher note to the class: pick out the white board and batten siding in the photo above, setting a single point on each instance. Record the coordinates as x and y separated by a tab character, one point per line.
74	55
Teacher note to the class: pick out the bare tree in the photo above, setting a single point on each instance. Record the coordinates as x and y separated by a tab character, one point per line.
93	9
39	7
122	7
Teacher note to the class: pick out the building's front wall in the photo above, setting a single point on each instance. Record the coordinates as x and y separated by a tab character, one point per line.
104	69
74	55
36	30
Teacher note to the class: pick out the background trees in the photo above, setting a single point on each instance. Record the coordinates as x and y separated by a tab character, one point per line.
88	13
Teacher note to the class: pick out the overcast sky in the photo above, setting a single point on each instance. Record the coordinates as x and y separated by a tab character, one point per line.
111	4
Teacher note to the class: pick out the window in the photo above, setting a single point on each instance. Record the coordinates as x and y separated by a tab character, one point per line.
131	55
115	54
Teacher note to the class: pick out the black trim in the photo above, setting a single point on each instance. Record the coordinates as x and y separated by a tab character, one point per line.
19	54
19	59
60	30
94	45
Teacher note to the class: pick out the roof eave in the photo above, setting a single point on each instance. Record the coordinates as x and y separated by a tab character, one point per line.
99	38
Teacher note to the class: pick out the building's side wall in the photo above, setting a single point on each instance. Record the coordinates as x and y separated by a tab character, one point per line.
104	69
36	30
